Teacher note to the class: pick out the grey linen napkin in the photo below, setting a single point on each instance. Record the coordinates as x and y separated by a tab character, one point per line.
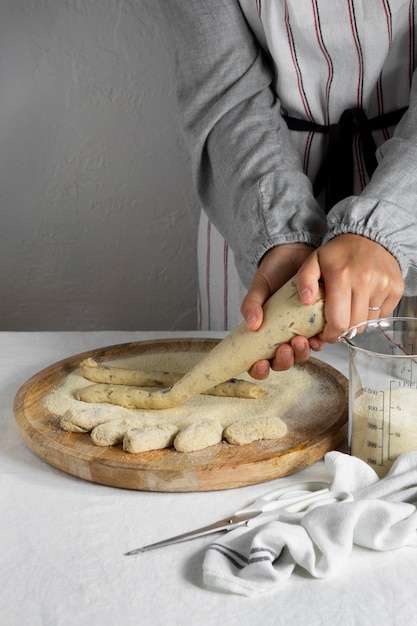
381	516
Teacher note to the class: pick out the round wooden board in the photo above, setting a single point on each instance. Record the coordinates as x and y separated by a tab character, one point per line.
222	466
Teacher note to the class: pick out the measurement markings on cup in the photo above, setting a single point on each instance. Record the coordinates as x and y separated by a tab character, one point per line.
375	427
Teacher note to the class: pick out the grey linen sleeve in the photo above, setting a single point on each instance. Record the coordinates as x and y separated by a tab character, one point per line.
386	211
246	171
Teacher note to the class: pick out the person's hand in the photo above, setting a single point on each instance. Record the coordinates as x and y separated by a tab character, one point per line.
277	266
358	274
362	281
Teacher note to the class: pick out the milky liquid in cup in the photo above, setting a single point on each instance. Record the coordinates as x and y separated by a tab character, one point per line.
384	425
382	390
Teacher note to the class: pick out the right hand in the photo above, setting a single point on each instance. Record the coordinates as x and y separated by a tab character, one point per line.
277	266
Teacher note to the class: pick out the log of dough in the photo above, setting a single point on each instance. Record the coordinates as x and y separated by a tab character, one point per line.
99	373
122	395
149	438
199	435
253	429
284	317
133	398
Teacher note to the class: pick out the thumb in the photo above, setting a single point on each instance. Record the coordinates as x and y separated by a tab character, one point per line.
253	302
307	278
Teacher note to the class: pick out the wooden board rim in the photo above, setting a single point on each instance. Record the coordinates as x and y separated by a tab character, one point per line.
104	466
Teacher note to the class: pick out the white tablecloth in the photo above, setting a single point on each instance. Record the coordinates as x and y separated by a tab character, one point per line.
62	539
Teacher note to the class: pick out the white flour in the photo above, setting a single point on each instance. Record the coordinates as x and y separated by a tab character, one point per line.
283	390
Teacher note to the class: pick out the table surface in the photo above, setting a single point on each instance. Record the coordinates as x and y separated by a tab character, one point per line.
62	539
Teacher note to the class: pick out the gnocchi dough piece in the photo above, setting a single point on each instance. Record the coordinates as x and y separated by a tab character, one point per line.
99	373
70	425
236	388
122	395
84	419
136	398
149	438
112	433
200	434
252	429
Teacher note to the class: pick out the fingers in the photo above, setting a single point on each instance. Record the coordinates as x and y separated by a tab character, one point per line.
261	289
362	281
308	278
259	370
287	355
273	272
276	267
251	308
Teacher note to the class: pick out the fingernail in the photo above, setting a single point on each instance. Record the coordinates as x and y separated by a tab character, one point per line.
251	320
298	348
305	294
263	370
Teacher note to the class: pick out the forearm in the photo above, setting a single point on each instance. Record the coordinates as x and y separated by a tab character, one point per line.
386	211
246	171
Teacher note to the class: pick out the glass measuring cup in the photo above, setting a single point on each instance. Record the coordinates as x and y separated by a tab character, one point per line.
382	390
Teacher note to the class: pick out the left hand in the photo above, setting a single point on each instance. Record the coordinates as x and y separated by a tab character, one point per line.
357	273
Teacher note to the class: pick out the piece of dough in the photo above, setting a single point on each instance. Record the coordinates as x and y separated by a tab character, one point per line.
150	438
113	432
284	317
246	431
198	435
68	422
123	395
136	398
99	373
84	419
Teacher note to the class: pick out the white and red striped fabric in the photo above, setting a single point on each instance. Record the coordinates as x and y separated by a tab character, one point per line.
220	288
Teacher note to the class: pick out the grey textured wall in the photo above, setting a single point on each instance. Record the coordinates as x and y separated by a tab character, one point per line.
98	214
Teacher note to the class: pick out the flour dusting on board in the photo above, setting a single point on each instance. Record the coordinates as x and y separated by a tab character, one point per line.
283	391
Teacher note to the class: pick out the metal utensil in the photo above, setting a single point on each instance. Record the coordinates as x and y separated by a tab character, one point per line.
287	504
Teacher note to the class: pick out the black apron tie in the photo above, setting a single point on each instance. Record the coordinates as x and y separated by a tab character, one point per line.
335	175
